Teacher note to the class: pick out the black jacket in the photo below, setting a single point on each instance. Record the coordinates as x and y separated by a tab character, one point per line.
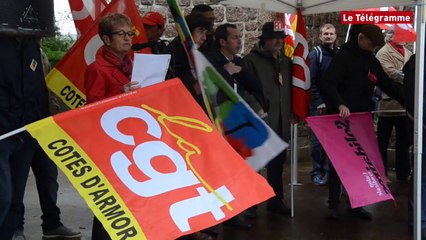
347	82
23	92
318	66
245	81
181	68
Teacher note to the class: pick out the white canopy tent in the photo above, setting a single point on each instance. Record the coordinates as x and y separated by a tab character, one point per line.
324	6
315	6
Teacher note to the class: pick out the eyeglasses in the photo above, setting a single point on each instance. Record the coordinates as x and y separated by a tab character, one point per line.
122	34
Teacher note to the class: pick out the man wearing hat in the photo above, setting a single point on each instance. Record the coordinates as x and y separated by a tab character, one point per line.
153	23
347	86
273	69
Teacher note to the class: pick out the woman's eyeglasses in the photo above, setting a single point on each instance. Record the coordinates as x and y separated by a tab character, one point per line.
122	34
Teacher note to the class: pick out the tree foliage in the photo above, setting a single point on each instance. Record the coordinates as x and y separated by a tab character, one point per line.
55	47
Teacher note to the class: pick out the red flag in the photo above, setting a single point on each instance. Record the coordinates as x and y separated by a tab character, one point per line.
84	13
150	164
301	91
66	80
402	32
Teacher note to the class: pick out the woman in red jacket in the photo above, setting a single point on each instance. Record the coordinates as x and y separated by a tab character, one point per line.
110	74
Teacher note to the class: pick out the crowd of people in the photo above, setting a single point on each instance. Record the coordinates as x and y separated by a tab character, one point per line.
341	78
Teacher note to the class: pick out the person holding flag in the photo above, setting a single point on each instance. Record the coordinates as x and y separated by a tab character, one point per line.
274	70
110	74
347	86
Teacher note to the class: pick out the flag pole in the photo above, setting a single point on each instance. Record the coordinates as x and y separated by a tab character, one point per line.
291	170
418	118
293	162
6	135
294	154
347	33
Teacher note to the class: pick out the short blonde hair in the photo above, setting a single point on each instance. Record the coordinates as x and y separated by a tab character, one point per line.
326	26
108	22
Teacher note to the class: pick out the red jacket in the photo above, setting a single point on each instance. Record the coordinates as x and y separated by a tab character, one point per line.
103	79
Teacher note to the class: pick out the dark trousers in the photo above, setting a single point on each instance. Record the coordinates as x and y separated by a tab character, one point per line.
98	230
334	187
274	174
318	156
46	175
423	193
384	131
15	159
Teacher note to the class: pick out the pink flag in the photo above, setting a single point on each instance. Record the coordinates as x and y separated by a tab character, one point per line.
351	145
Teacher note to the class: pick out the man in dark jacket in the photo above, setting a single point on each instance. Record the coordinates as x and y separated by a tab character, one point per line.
46	175
274	71
347	86
23	99
320	58
231	66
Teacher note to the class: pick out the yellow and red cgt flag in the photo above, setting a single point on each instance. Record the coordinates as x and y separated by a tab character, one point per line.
290	21
301	90
84	13
66	80
150	164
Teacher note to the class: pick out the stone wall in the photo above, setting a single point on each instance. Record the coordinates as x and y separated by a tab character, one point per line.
249	21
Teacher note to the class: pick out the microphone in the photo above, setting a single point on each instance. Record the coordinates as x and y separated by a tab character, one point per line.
139	46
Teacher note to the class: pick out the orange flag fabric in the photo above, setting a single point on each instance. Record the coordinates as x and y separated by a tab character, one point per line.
66	80
150	164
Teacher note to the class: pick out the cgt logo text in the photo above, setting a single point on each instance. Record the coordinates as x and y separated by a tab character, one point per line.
160	182
376	17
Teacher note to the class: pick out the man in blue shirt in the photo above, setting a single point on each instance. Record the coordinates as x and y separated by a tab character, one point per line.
320	58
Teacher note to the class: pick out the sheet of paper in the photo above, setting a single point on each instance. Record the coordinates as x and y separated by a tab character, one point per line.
149	69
